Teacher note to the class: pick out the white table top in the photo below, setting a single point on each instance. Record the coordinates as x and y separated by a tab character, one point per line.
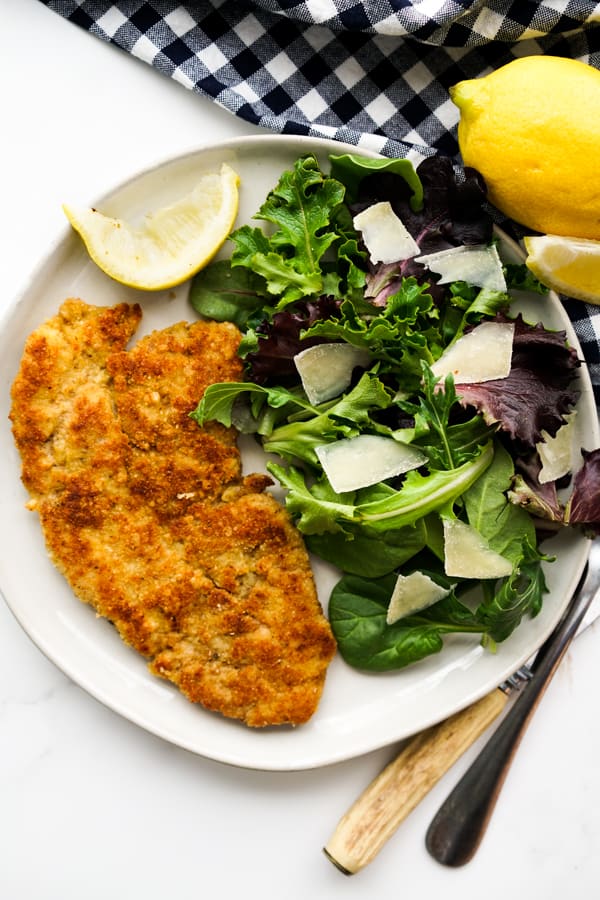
94	807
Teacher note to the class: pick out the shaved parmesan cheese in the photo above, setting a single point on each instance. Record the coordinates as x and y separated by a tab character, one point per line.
411	594
326	369
556	453
384	234
480	266
483	354
468	555
357	462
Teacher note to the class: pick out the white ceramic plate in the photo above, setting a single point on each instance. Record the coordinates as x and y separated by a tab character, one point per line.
359	712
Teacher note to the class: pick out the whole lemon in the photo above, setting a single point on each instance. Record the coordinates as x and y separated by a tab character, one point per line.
532	128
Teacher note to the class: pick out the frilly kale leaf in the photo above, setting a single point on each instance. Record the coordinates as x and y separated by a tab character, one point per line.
399	335
306	210
311	249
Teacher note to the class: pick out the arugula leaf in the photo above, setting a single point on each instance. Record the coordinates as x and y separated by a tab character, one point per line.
382	507
305	427
518	595
219	399
346	417
315	512
421	494
447	444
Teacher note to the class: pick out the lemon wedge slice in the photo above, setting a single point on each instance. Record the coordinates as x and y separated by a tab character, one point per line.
568	265
172	243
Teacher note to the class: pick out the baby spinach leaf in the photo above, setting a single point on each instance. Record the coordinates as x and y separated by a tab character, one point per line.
506	527
360	551
510	531
358	610
225	294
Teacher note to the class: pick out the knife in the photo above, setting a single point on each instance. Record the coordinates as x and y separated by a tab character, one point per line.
457	829
398	789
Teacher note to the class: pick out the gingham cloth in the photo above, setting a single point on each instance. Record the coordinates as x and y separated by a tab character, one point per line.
374	73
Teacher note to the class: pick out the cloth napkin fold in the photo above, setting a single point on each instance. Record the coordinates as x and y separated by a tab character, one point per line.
374	73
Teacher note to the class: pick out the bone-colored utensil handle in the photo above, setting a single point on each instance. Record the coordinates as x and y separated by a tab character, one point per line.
387	801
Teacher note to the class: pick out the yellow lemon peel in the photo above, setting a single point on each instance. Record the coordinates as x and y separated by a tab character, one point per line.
531	129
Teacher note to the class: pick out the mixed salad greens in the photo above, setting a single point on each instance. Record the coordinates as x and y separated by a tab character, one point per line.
309	278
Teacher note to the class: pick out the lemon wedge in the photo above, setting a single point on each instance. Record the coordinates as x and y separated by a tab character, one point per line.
172	243
568	265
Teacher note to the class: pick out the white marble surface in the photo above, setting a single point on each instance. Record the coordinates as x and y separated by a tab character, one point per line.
93	807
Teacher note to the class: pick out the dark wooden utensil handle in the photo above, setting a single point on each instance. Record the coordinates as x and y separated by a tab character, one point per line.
459	825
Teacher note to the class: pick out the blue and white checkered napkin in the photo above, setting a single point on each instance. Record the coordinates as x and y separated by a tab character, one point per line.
374	73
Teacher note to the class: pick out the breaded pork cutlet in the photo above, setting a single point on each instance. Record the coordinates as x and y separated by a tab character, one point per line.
150	520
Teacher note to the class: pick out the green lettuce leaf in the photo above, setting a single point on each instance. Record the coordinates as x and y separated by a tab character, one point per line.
302	209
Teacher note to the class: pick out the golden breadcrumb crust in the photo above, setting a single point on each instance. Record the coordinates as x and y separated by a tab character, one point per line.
150	520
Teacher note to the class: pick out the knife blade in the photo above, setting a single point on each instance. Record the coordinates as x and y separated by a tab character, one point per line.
387	801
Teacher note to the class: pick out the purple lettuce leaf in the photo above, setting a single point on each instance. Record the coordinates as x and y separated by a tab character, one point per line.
583	507
453	214
279	339
538	392
541	500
